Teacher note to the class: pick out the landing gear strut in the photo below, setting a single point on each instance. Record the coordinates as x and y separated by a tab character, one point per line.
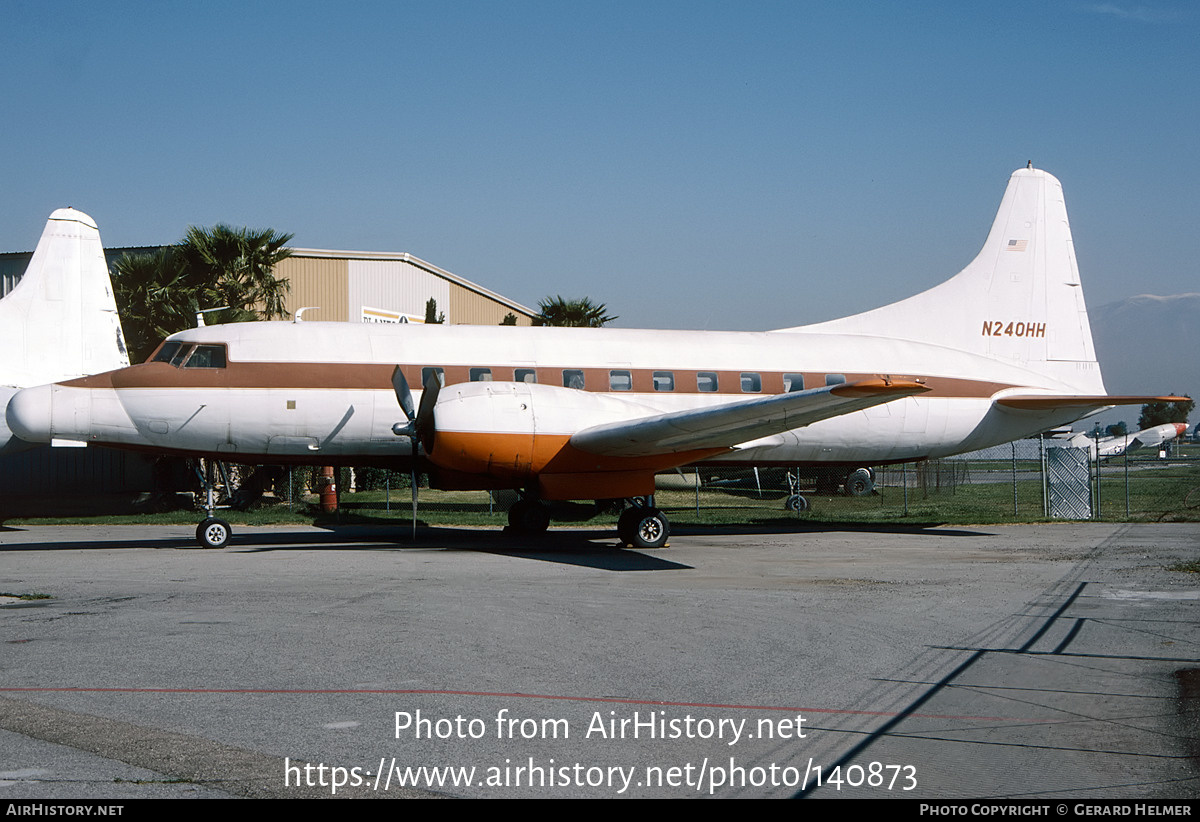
795	500
643	526
211	532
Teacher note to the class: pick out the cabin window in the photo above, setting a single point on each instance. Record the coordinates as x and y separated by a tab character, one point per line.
706	381
428	371
835	379
573	378
793	382
620	381
664	380
206	356
526	375
167	351
481	375
751	383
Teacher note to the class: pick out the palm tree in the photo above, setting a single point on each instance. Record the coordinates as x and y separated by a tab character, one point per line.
579	313
153	299
235	267
159	293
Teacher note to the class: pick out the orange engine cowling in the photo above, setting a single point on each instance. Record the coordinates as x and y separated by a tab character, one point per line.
519	433
487	428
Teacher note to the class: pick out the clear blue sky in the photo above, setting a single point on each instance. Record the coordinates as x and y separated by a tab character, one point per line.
743	165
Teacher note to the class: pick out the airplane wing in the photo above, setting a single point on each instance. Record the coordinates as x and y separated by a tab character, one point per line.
737	422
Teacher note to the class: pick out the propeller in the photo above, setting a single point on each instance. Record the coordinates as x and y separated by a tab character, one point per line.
419	428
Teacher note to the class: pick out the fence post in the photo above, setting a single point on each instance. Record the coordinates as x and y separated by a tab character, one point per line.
1126	455
1014	477
1045	489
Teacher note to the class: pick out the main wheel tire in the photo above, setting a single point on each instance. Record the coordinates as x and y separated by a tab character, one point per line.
516	512
650	529
528	517
626	523
859	483
796	503
213	533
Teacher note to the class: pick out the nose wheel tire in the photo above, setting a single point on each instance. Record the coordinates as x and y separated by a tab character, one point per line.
796	503
213	533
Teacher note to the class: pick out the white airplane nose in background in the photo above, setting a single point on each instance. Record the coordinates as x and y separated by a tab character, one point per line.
30	413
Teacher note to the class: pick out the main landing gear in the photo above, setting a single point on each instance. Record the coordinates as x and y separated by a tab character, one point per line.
640	526
528	516
643	526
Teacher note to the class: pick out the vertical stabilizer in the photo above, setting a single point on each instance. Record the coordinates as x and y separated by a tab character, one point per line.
1019	300
60	321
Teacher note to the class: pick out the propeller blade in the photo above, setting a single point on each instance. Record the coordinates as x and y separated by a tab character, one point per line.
403	393
423	423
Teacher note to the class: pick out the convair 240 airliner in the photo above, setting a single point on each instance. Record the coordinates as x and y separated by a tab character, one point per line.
1002	350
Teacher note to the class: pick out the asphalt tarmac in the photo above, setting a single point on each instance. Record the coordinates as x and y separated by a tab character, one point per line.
1023	662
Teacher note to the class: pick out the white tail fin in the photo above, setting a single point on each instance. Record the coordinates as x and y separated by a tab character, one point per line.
1019	300
60	321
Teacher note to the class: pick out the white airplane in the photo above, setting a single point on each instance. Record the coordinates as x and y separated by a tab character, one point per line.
1001	351
1151	437
60	321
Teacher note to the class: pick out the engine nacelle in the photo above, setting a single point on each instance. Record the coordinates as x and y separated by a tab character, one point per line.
516	430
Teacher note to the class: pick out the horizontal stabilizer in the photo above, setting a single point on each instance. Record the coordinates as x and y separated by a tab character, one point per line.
728	425
1049	402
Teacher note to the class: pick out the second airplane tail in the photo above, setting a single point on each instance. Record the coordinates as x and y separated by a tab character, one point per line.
60	321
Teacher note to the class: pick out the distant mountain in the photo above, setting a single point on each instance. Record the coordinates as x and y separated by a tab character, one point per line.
1148	345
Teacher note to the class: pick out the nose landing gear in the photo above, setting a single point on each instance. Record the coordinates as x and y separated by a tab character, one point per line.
212	532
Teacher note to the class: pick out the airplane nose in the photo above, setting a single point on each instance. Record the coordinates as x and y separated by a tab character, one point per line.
30	413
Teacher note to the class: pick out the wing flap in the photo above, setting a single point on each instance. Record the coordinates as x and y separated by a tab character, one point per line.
725	426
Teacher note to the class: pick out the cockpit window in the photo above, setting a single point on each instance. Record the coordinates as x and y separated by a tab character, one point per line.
206	356
167	351
180	355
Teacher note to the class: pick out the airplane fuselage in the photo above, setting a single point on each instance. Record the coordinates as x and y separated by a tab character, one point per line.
321	393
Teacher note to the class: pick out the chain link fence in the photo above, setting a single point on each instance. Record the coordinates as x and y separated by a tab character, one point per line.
985	487
1020	482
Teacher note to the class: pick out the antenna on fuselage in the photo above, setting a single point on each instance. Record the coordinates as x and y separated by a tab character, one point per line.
200	314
